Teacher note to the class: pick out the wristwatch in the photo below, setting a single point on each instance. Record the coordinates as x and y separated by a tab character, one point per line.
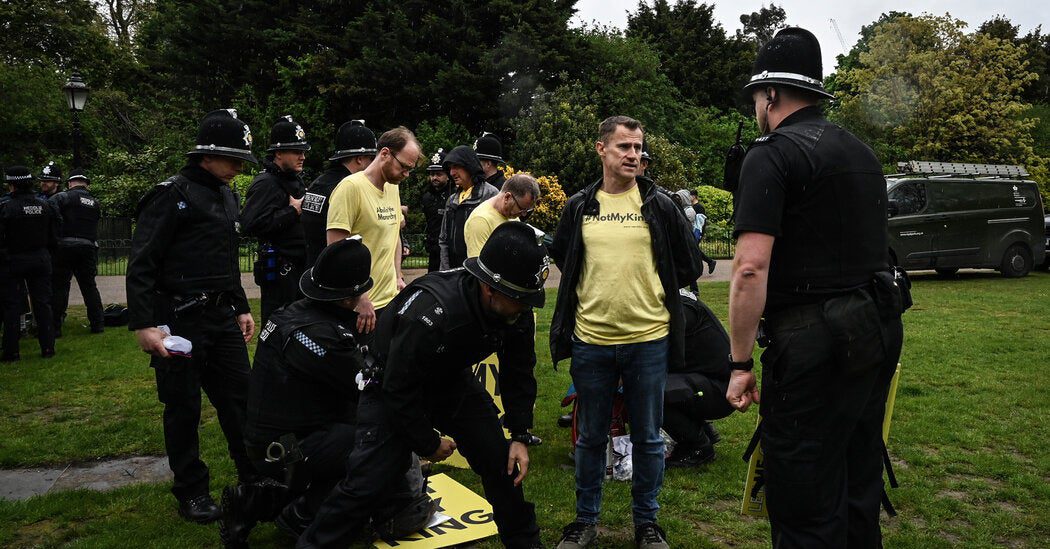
746	366
526	438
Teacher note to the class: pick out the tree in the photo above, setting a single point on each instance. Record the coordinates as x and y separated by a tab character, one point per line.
760	26
124	17
1036	54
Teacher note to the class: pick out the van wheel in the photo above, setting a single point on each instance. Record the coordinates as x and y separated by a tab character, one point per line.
1017	261
945	272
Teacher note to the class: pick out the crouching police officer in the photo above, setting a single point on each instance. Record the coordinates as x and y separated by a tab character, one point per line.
434	331
29	228
272	207
303	398
811	258
184	273
77	252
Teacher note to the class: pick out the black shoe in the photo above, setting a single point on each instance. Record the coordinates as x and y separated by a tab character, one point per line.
686	457
711	266
577	535
47	353
565	421
650	536
236	523
291	522
98	329
711	432
200	509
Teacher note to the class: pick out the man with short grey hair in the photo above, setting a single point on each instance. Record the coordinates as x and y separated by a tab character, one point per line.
520	194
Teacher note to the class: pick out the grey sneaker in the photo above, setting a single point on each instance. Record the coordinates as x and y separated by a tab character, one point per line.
650	536
576	535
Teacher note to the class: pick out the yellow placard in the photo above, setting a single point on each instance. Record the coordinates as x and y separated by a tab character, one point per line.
756	505
487	373
471	517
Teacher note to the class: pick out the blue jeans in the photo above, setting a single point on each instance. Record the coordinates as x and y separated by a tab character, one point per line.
596	371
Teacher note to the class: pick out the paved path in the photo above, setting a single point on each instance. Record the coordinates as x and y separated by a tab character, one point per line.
111	288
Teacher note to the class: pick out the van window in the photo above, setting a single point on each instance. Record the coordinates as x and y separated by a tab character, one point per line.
910	197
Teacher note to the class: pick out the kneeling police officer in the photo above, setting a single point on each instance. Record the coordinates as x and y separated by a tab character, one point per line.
434	331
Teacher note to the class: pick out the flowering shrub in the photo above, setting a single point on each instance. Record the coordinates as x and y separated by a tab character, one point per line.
552	199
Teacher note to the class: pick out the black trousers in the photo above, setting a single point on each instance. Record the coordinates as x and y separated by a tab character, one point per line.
463	410
689	401
219	366
80	262
280	292
826	375
34	270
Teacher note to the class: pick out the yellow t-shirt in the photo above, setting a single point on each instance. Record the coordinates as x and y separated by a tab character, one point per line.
357	206
464	194
482	221
621	299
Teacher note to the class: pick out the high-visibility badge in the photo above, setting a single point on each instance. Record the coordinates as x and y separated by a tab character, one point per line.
754	500
469	517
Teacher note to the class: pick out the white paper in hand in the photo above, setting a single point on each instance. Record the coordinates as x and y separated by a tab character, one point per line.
176	345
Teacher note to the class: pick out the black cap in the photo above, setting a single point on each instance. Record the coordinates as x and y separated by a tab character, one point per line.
354	139
51	172
791	58
645	151
287	135
488	147
341	271
514	262
19	176
435	161
223	134
77	174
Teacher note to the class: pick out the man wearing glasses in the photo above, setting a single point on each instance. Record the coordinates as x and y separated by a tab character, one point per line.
368	203
519	195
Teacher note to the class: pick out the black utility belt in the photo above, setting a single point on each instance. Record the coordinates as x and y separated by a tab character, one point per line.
76	241
193	301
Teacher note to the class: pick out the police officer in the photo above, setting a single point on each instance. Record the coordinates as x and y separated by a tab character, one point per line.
490	152
471	191
434	199
811	260
355	147
303	398
271	214
436	329
184	273
646	159
50	178
77	251
29	228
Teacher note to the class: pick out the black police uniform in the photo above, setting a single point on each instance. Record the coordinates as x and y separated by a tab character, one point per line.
269	218
315	209
434	201
184	272
435	330
488	147
29	228
496	180
834	338
77	254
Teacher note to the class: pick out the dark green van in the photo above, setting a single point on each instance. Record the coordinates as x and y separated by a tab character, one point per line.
949	216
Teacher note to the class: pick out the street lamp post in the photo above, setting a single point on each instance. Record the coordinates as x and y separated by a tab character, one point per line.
76	96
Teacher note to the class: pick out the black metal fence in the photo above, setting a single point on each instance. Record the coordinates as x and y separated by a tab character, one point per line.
115	245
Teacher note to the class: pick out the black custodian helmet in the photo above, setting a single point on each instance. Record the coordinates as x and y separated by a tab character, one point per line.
287	135
223	134
341	271
354	139
514	262
436	161
488	147
645	151
791	58
51	172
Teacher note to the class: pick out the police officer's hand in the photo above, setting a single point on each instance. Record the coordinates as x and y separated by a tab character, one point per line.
296	203
247	325
742	390
519	454
444	450
366	315
151	340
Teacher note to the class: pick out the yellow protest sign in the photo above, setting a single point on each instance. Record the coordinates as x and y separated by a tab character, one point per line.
754	501
470	517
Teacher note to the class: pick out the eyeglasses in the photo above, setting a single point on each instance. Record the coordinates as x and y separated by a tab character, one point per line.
524	213
407	168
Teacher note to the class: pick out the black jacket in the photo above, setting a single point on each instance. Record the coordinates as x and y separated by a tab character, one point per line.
267	215
303	375
677	258
81	213
451	242
430	336
315	210
186	241
497	180
28	224
434	201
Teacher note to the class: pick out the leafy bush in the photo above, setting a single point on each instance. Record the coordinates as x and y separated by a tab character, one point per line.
552	200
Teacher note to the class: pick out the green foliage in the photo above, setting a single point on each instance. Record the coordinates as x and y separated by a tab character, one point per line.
123	178
36	121
442	133
717	203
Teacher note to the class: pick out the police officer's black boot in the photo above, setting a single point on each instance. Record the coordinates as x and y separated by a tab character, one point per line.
711	432
693	454
245	505
295	518
200	509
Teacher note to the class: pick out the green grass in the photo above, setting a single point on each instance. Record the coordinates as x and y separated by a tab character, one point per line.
969	437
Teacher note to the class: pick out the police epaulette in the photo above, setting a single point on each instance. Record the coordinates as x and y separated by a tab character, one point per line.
764	138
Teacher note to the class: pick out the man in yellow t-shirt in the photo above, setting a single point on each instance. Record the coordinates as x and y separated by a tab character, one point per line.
516	200
368	203
624	249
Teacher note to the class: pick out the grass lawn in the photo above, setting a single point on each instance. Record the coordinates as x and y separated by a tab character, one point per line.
969	437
